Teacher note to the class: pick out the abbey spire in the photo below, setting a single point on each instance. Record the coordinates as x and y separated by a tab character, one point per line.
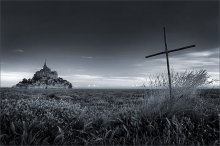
45	64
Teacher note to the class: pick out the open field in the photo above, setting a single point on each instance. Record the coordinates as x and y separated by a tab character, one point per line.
108	117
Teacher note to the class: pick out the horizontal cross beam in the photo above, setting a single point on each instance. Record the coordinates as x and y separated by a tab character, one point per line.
171	51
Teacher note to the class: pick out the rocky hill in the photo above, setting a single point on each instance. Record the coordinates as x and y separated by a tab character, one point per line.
44	79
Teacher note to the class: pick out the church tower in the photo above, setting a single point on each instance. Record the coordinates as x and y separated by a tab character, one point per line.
45	64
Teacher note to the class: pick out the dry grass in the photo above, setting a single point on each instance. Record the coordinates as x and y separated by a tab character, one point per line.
112	117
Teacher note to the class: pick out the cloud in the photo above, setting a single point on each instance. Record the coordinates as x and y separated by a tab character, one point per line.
135	76
11	78
18	51
14	75
208	60
210	53
87	57
200	54
141	71
86	77
91	85
105	81
138	64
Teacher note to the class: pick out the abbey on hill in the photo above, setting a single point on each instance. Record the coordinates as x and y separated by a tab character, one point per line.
44	79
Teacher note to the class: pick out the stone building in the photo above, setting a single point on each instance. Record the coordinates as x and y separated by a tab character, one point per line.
45	73
44	79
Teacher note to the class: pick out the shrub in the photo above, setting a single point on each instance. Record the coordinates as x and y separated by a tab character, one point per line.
24	80
184	85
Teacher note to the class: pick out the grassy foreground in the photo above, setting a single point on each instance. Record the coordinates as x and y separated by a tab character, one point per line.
114	117
108	117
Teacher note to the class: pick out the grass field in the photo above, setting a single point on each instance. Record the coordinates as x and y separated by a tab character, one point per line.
109	117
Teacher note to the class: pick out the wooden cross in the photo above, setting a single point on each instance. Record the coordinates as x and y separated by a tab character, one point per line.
167	58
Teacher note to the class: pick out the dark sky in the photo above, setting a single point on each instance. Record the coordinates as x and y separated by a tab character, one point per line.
103	44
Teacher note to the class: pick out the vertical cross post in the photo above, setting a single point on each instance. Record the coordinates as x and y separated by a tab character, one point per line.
168	66
167	57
